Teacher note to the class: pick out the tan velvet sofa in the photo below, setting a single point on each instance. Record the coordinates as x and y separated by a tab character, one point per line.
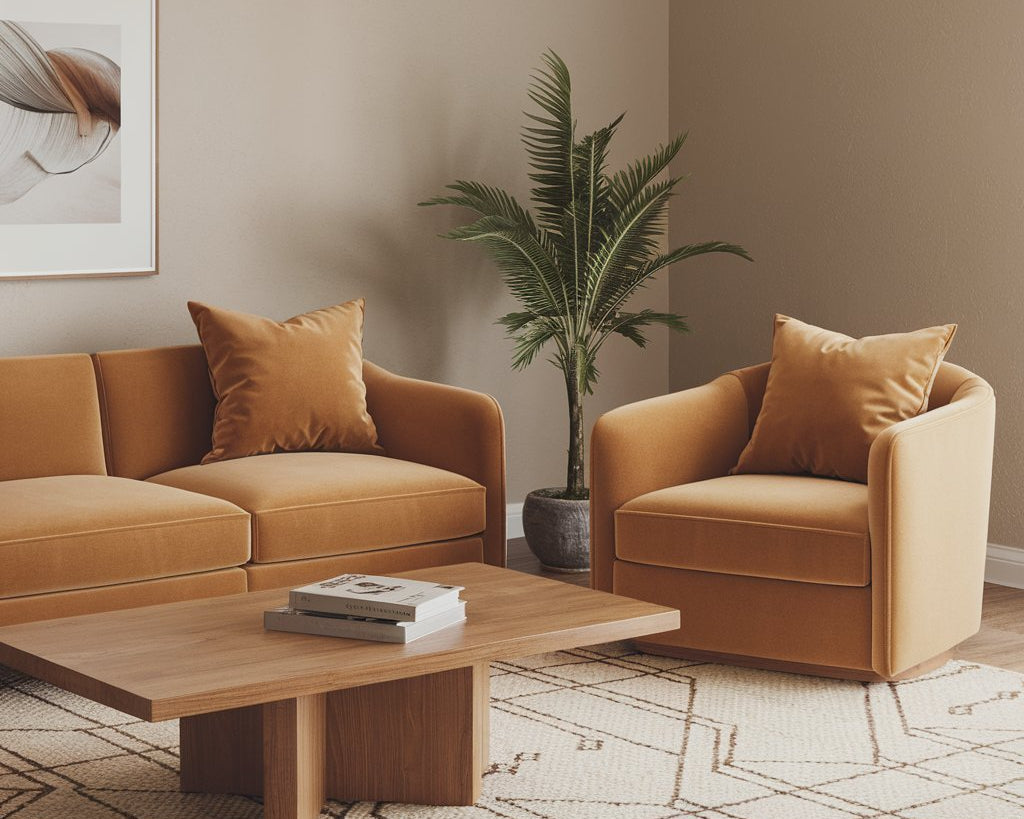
862	581
103	503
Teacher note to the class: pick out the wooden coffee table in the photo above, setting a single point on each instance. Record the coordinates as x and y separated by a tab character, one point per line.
301	718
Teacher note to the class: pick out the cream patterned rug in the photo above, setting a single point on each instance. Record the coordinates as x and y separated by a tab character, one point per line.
601	733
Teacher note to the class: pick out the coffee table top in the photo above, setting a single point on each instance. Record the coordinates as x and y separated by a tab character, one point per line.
199	656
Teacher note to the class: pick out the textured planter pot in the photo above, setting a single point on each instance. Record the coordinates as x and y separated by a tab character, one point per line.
558	530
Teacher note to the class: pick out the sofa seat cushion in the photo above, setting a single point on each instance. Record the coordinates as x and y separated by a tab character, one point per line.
790	527
84	531
312	504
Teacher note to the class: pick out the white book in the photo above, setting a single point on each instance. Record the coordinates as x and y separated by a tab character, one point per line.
367	595
360	628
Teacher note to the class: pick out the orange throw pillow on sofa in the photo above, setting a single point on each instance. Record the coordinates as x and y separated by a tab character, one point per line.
286	386
828	396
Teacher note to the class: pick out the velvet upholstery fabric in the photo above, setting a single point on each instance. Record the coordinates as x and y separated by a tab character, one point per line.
81	531
451	428
121	596
288	386
927	509
293	573
807	623
312	504
683	437
157	409
789	527
929	485
149	412
828	396
49	417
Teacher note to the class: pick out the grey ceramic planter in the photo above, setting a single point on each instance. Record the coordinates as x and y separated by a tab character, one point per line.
558	531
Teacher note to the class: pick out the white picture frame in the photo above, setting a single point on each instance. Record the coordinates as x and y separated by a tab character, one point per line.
98	218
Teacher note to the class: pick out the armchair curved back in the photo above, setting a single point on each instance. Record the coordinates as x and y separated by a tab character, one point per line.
951	381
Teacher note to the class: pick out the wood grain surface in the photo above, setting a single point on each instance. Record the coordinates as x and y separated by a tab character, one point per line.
423	739
222	752
197	657
294	748
1000	642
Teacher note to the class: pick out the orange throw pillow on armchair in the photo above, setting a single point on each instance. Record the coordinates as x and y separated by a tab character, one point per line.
829	395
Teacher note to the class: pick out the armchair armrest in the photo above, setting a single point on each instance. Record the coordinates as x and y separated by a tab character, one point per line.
683	437
448	427
929	479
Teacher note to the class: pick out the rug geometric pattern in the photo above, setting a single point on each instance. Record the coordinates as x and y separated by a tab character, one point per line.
600	733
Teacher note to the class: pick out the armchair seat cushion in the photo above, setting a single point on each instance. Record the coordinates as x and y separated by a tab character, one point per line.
67	532
313	504
789	527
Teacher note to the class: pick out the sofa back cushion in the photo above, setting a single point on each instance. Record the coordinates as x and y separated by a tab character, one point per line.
49	417
157	409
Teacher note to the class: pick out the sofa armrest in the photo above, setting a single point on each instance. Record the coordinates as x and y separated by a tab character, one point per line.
448	427
929	479
683	437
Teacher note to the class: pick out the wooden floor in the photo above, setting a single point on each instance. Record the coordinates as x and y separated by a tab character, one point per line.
1000	641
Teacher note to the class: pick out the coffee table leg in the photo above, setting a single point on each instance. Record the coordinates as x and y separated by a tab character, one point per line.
222	752
293	758
421	740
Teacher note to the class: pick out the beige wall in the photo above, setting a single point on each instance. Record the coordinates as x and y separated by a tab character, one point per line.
295	141
871	156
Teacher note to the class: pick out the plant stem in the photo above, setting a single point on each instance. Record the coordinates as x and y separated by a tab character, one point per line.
574	483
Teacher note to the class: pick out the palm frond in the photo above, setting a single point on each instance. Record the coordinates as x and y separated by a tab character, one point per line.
590	156
550	147
526	265
530	338
627	183
630	325
513	322
631	241
485	200
699	249
488	200
619	289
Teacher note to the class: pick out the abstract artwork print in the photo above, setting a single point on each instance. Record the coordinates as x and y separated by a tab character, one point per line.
60	116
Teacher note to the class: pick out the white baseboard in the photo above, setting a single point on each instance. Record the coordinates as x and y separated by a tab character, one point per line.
513	520
1004	566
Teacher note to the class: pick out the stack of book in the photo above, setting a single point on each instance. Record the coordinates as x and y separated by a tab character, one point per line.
367	607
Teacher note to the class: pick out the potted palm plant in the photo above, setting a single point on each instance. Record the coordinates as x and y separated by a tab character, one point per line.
573	264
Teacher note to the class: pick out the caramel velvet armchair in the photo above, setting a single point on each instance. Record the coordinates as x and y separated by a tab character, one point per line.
795	572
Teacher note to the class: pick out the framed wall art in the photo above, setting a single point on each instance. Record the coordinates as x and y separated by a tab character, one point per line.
77	138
